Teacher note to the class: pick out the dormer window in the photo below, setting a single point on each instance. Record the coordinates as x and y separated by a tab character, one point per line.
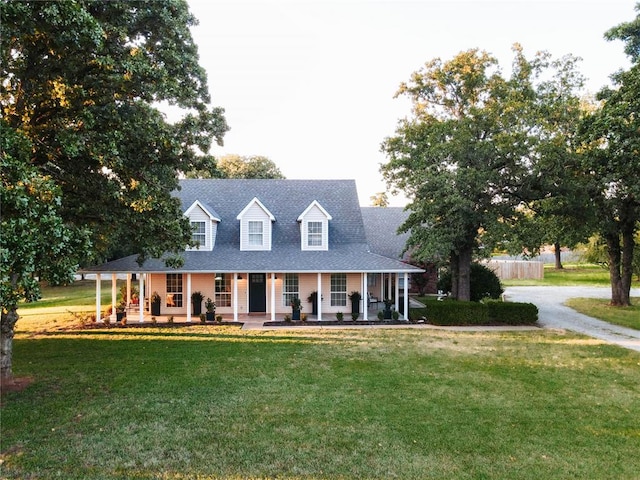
255	226
204	226
314	228
199	233
314	234
256	238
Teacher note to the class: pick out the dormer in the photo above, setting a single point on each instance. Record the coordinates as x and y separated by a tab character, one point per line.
255	226
314	227
204	224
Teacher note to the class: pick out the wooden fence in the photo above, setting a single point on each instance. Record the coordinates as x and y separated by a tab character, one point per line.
519	269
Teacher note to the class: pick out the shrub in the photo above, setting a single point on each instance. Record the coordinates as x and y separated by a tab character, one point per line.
512	313
456	313
484	283
339	316
354	316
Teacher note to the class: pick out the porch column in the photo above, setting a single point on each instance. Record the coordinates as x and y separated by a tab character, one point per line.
382	298
235	296
188	297
128	299
114	296
406	296
365	295
319	296
273	297
397	291
141	297
98	299
389	285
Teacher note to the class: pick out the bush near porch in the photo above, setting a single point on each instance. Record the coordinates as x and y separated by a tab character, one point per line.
452	313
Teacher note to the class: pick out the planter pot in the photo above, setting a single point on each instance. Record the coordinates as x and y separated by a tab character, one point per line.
211	316
197	308
355	306
120	316
387	314
295	315
155	308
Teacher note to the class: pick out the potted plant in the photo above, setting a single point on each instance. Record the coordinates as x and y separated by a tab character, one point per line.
211	310
355	298
313	300
387	308
203	317
121	312
196	302
296	306
155	304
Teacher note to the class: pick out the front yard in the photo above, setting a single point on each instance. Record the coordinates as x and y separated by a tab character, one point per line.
220	402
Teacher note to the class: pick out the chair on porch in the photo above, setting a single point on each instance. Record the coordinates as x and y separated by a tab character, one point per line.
373	300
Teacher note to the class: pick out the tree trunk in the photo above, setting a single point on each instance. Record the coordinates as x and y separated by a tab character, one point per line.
464	274
454	263
558	252
618	296
7	324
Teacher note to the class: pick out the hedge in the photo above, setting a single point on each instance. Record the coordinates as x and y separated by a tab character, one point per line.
457	313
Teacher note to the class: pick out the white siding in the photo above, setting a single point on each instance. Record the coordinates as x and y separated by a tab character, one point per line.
314	215
199	215
255	213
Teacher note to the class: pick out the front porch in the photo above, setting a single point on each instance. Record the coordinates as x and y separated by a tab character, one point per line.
234	294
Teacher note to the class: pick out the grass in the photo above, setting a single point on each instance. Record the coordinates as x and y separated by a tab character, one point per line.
601	308
219	402
571	274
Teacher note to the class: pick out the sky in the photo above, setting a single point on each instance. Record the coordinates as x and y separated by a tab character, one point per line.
310	84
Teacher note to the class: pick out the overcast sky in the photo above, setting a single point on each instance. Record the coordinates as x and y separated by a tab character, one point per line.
310	84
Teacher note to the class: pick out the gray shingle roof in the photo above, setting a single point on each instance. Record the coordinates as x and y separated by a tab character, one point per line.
286	200
381	226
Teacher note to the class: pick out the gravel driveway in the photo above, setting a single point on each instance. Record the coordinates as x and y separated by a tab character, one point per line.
554	314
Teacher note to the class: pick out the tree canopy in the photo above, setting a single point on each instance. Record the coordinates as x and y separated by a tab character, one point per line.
470	156
611	163
90	150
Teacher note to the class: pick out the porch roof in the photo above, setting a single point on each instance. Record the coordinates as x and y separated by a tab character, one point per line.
227	259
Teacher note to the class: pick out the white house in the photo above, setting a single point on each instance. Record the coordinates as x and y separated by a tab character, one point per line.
264	242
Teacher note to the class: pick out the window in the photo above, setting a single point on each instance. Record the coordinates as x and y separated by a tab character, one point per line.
223	291
174	290
255	234
199	233
314	234
339	290
291	288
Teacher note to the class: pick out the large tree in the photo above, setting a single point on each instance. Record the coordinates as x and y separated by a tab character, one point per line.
82	81
470	157
611	162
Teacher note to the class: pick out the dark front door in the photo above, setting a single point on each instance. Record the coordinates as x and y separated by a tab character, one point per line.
257	292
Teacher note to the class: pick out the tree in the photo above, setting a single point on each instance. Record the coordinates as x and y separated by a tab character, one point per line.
469	159
236	166
35	244
380	199
82	81
612	165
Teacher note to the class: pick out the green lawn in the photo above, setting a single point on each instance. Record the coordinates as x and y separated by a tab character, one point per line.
571	274
600	308
218	402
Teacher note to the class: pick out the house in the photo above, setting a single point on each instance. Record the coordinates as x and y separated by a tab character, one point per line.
262	243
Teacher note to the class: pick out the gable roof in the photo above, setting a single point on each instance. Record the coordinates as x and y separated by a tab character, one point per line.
210	212
348	245
319	207
255	201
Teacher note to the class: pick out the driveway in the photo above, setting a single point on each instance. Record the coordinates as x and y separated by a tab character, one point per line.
554	314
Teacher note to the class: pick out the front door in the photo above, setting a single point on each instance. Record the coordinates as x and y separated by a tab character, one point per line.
257	292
